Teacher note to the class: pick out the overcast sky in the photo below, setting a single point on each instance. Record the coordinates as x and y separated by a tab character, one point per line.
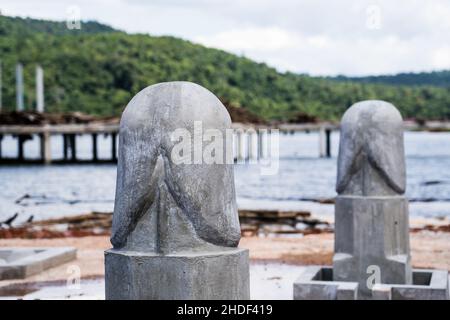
319	37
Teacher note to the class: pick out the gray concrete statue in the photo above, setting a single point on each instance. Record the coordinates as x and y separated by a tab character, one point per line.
175	225
371	213
371	242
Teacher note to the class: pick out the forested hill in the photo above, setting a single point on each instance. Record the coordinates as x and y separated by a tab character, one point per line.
436	78
98	69
16	26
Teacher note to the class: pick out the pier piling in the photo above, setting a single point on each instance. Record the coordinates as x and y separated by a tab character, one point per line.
328	143
65	146
73	147
46	154
324	142
20	141
94	148
114	146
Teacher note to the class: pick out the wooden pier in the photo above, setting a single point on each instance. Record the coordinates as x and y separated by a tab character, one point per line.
68	133
250	140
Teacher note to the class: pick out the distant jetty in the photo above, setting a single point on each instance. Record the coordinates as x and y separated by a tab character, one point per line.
23	125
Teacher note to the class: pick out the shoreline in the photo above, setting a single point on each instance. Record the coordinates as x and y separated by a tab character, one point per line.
322	208
260	223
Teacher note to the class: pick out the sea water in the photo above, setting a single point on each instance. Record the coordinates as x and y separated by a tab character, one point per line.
302	178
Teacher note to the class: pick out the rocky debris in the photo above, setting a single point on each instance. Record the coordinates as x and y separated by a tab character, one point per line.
433	228
95	223
273	222
253	222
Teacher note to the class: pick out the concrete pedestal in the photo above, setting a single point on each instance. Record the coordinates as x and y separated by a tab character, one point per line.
316	283
204	275
371	235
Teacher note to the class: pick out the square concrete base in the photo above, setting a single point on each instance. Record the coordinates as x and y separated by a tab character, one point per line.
19	263
148	276
316	283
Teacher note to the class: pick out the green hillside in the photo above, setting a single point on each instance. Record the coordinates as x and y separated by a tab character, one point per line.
435	78
97	70
17	26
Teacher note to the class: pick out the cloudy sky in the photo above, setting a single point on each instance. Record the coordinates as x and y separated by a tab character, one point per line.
319	37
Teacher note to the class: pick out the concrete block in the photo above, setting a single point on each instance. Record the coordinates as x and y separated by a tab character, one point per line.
316	283
19	263
435	287
381	292
347	291
182	276
372	232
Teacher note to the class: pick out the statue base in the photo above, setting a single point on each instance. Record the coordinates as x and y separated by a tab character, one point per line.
372	241
222	275
316	283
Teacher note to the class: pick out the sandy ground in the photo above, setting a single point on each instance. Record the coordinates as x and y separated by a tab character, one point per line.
428	250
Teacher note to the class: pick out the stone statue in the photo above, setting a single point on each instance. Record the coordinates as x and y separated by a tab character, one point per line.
371	213
175	225
371	241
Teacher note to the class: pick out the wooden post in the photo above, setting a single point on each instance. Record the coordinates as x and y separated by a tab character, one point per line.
328	142
20	141
65	145
322	150
73	147
240	145
114	146
252	145
39	89
19	87
94	147
260	145
235	146
46	154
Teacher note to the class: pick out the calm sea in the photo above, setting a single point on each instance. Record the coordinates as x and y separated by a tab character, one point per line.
62	190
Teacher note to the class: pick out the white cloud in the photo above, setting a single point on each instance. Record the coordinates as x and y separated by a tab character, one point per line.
259	39
319	37
441	57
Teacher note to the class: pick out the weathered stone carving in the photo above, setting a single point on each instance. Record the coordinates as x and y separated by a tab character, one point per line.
371	212
175	225
371	153
372	256
162	206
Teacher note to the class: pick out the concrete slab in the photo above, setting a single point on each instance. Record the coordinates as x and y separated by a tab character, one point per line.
316	283
19	263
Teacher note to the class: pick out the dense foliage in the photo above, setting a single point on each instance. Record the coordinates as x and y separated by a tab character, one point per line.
435	78
97	70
